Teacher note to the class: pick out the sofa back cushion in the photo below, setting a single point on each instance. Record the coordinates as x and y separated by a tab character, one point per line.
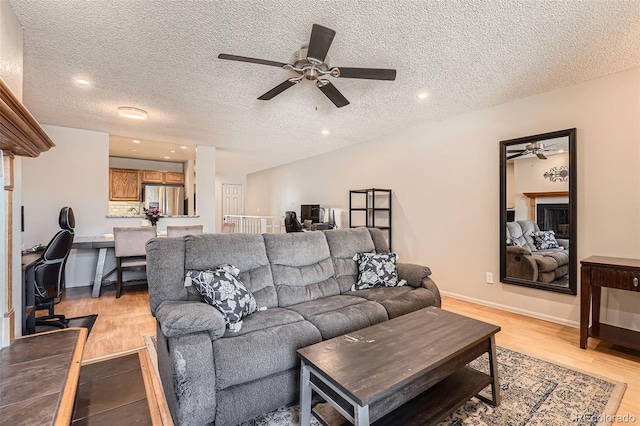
343	245
301	266
244	251
528	228
165	272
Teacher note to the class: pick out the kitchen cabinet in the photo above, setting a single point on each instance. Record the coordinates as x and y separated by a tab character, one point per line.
154	176
151	176
124	185
173	178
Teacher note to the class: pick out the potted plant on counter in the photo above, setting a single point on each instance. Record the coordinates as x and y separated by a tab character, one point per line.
153	214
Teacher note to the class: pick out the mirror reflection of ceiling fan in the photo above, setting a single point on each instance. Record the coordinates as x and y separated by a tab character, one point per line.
536	148
311	63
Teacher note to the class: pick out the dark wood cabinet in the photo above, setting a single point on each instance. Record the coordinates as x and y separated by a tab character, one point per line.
610	272
371	208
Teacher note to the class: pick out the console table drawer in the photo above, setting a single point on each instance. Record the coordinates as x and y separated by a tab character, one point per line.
615	278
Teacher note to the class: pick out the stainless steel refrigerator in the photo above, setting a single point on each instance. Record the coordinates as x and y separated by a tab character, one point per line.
169	199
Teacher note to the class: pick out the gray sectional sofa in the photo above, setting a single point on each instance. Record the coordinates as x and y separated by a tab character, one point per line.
212	375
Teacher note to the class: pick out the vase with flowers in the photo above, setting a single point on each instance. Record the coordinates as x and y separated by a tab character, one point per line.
153	214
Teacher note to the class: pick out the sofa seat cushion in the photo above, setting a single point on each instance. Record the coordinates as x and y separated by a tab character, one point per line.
338	315
267	318
398	300
256	352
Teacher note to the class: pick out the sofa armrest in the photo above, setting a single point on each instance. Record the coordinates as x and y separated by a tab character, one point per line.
520	264
186	366
563	242
412	273
178	318
418	276
513	250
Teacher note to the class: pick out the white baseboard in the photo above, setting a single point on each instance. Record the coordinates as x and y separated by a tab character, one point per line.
562	321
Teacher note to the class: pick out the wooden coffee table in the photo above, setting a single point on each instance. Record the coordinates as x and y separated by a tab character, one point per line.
409	370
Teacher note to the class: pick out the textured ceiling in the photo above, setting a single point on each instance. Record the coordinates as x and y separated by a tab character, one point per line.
161	56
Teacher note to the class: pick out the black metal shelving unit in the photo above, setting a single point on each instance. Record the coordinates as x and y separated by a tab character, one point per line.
371	208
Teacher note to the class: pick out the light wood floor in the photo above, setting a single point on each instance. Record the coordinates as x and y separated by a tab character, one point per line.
122	322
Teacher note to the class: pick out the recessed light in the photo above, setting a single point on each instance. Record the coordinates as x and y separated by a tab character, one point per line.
133	150
183	147
82	82
560	151
422	95
325	132
173	151
135	141
166	157
133	113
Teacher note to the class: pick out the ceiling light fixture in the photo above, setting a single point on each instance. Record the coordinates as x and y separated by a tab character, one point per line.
135	141
183	147
82	82
422	95
173	151
133	150
325	132
167	157
133	113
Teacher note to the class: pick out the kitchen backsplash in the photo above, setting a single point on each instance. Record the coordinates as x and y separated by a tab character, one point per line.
124	208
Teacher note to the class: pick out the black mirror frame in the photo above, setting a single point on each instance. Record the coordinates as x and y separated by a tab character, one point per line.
573	208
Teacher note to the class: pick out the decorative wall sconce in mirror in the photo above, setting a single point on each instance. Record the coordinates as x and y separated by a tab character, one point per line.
538	193
558	174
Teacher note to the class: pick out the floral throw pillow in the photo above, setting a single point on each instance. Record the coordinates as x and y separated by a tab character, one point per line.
221	289
544	240
512	241
376	270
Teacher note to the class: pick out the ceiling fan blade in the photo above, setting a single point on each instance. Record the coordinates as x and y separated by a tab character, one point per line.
515	156
516	150
541	156
332	93
251	60
367	73
321	39
277	90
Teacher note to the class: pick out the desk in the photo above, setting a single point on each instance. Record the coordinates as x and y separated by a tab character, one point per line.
29	292
101	244
611	272
40	377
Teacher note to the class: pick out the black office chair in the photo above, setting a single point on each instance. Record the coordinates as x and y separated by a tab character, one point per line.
49	271
291	223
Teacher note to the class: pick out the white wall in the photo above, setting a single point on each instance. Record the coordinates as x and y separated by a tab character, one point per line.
76	173
206	187
446	190
529	177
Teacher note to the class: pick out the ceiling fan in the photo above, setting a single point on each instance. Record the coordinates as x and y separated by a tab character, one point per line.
311	62
536	148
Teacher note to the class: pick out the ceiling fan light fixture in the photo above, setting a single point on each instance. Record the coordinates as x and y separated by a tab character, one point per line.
132	113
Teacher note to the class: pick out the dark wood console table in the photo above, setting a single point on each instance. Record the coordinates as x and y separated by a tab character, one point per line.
610	272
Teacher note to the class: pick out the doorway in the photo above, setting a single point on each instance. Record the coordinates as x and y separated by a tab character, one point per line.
232	199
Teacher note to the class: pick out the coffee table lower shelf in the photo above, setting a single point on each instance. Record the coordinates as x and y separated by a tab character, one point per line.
430	407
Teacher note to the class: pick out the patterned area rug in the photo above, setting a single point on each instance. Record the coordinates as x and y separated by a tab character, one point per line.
534	392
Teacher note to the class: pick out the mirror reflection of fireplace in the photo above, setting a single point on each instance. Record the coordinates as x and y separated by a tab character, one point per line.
554	217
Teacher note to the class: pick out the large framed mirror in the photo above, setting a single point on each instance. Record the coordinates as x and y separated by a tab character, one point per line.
538	234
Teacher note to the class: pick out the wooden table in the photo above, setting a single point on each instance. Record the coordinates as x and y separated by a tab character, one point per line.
610	272
409	370
39	377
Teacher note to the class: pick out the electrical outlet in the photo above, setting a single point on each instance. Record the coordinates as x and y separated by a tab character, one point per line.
489	277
